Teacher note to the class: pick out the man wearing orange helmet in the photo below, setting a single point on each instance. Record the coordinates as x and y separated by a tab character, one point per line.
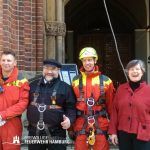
94	93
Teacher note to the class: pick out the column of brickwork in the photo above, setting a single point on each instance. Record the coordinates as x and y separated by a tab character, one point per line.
22	31
1	25
10	25
39	34
21	51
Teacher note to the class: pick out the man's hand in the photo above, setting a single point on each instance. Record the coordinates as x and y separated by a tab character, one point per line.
65	123
114	139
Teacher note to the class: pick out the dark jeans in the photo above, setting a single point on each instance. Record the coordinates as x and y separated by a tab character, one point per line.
128	141
55	132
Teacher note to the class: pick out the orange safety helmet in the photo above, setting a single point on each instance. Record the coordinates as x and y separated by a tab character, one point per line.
88	52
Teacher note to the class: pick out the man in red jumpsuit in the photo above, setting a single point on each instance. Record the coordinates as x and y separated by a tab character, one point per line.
13	101
94	93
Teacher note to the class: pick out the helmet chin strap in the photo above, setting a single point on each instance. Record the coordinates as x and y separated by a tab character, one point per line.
90	70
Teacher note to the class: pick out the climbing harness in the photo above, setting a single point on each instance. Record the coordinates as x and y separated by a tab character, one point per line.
41	107
91	117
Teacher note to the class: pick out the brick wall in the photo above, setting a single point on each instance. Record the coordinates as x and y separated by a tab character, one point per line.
1	24
21	29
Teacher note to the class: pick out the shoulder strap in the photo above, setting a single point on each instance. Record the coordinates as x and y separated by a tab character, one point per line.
80	83
81	87
102	92
55	88
36	94
53	97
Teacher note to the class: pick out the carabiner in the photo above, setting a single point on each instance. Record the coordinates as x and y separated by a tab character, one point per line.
90	101
91	120
40	125
41	107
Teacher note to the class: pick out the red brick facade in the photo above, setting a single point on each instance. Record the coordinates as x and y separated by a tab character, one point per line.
21	29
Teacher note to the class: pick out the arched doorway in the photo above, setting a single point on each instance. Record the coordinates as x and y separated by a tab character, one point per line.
87	25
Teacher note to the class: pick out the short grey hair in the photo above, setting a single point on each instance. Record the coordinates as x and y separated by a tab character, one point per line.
135	62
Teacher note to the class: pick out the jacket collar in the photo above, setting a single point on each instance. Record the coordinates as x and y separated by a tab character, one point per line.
54	80
142	84
96	72
13	76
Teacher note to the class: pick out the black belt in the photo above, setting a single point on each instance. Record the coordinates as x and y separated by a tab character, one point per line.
47	106
35	125
95	114
97	132
102	113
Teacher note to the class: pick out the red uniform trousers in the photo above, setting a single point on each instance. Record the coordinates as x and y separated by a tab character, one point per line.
101	143
11	129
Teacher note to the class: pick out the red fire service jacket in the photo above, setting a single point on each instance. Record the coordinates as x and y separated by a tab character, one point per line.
91	86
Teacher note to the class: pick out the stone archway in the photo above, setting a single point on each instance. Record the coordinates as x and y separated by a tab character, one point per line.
84	17
123	12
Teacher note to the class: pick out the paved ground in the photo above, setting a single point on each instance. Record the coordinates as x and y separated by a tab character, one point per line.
69	148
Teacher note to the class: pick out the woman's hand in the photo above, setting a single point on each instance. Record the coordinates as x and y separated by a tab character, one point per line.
114	139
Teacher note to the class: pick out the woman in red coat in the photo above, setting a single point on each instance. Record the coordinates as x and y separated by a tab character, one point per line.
130	118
